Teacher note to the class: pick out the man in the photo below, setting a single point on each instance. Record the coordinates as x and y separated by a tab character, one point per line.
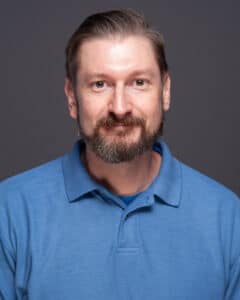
118	217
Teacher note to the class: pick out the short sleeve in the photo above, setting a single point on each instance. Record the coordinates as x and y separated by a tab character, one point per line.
7	257
233	289
7	263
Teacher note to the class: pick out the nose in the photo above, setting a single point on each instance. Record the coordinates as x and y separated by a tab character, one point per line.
119	103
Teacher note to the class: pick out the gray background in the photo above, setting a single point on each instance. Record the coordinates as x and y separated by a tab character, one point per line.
203	49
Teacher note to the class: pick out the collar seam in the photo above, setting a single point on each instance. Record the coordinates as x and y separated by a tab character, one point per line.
64	180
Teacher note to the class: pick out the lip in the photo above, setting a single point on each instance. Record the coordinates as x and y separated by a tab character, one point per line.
121	126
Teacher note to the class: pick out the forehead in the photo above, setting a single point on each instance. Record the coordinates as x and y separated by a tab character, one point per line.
117	55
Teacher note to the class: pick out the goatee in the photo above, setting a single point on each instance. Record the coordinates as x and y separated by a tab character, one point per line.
120	149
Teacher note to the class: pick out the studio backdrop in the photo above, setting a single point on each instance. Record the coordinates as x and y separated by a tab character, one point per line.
202	48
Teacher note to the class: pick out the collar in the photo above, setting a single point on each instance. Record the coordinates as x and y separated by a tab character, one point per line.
166	186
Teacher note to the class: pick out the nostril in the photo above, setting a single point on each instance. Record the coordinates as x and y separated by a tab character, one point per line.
120	117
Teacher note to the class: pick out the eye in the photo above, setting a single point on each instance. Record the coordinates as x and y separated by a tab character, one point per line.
98	84
140	83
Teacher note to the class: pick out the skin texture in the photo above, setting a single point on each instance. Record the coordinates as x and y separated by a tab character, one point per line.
119	76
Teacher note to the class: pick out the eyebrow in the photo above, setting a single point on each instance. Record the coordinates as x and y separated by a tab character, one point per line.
146	72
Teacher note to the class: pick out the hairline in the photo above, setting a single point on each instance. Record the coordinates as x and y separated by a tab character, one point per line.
113	36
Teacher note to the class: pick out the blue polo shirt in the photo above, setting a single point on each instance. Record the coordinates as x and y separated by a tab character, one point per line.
63	236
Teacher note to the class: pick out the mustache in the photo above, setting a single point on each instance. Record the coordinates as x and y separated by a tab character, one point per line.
111	121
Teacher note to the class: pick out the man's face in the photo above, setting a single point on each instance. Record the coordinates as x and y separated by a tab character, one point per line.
119	98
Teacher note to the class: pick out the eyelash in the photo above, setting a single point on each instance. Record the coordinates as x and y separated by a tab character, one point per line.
140	79
93	84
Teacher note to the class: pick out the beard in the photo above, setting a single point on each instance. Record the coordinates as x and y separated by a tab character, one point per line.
120	148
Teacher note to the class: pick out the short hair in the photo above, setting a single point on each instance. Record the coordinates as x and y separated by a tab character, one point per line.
122	22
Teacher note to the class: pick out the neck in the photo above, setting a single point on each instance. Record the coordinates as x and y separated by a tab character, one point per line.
126	178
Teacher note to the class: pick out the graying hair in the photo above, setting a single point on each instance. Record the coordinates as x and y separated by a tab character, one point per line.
122	22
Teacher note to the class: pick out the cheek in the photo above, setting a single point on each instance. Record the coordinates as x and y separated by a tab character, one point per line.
155	117
90	110
152	111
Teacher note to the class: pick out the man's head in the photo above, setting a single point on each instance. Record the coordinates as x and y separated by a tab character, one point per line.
117	84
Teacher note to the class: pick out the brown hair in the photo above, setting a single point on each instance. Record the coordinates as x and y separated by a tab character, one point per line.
121	22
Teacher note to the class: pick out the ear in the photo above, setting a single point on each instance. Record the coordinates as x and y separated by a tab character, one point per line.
166	93
72	105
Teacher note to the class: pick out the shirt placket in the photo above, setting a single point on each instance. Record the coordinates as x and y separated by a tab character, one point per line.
128	239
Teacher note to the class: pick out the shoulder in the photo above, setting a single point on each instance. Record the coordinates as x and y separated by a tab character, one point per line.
26	197
31	182
214	206
199	185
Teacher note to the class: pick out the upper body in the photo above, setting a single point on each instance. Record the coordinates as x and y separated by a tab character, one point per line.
66	231
64	236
